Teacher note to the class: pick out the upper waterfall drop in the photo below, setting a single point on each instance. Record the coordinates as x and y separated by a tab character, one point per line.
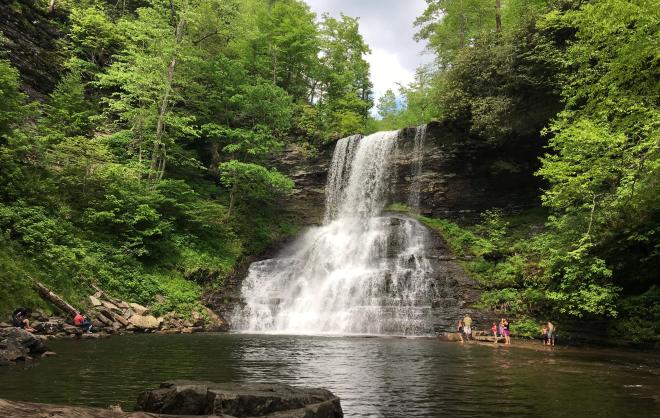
362	272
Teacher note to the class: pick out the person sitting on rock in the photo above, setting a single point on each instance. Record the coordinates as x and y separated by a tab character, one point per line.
20	318
80	320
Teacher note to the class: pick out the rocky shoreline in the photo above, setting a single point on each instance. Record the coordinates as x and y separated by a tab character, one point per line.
109	316
189	398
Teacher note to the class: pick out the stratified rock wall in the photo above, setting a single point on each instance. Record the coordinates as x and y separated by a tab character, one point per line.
30	42
460	178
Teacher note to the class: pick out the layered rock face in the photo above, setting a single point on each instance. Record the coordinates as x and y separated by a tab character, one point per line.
460	177
31	37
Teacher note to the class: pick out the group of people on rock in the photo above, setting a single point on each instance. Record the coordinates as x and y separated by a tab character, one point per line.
501	329
20	318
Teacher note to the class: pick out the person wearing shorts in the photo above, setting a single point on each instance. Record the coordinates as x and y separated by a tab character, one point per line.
505	327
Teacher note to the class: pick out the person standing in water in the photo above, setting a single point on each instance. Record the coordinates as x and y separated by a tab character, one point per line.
505	327
461	329
544	334
551	333
467	326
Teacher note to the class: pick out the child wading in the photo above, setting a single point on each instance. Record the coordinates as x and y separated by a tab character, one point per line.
544	335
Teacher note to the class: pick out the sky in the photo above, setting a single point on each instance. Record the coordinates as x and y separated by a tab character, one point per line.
387	27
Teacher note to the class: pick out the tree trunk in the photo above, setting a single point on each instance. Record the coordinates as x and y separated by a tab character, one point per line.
51	6
498	16
158	157
54	299
215	157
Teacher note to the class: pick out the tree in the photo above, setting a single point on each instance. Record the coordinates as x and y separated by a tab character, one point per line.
344	91
251	182
152	73
603	163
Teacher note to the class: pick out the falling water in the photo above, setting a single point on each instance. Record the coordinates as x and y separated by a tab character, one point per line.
418	158
362	272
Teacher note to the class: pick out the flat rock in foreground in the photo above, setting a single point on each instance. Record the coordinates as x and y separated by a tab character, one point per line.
14	409
240	400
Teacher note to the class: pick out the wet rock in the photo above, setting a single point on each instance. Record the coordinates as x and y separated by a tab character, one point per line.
239	400
48	328
19	345
71	329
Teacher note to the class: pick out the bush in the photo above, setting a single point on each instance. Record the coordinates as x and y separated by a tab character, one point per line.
525	327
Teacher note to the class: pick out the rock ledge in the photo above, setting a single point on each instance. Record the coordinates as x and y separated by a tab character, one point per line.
239	400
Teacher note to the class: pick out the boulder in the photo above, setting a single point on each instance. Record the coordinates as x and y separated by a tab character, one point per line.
198	319
71	329
48	328
138	309
146	322
122	305
110	306
17	344
216	323
94	301
239	400
122	320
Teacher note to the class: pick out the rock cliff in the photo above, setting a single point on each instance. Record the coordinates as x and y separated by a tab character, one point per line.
31	37
460	178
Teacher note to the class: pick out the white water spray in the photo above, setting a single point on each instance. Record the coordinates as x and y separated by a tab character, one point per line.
362	272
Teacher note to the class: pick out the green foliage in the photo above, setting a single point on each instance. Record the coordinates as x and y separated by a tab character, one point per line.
249	183
12	99
525	327
640	317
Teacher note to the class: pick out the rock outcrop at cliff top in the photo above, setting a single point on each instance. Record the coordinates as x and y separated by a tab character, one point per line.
19	345
240	400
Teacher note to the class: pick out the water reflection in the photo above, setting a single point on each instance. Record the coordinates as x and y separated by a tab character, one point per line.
392	377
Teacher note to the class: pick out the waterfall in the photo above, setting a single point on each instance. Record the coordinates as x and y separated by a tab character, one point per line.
361	272
416	171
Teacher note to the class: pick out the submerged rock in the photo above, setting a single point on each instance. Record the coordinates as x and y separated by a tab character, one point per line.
239	400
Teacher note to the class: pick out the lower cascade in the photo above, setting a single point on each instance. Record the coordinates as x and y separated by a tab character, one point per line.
364	271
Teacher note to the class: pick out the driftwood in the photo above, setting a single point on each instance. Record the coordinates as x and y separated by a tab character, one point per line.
54	299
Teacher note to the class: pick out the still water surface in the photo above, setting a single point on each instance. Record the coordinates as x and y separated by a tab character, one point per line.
392	377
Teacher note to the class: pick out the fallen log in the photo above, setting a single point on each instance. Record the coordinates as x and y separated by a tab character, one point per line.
54	299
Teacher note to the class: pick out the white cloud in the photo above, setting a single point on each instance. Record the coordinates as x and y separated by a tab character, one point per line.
387	71
387	27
